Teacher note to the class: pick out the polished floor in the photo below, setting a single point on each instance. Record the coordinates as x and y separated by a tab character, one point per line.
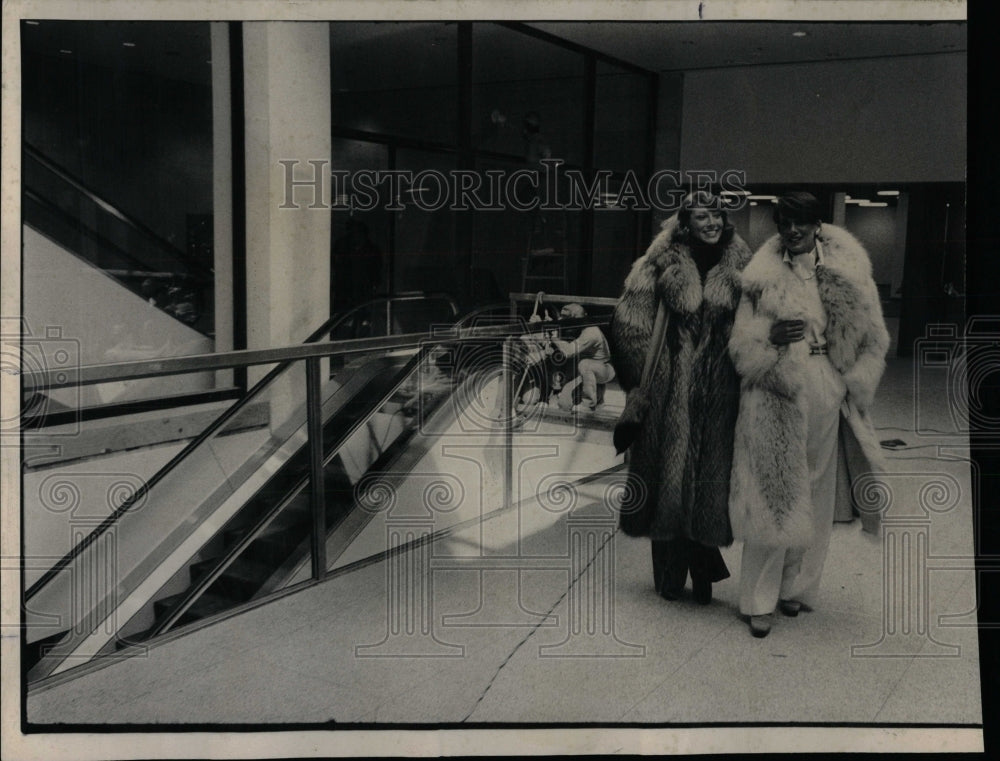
545	614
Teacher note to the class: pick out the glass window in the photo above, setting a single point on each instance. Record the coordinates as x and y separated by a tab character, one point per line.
621	108
426	256
616	244
527	95
118	187
396	78
523	250
358	255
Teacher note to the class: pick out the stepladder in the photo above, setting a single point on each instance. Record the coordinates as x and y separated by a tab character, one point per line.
544	265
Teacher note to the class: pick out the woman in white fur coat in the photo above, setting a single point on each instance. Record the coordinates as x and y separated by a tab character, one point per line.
809	344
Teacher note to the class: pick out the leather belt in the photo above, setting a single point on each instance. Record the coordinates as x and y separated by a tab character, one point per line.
816	349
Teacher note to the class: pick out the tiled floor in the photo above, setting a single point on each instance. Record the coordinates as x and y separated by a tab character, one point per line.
571	636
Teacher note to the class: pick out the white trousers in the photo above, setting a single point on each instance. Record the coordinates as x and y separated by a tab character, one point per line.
769	573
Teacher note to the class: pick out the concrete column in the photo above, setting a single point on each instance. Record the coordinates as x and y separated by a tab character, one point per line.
287	92
222	194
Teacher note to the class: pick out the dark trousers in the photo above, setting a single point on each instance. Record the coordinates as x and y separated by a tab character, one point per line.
673	558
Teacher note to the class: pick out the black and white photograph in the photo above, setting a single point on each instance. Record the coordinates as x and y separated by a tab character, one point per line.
431	379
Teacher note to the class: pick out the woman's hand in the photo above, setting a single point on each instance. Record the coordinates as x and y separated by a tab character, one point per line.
787	331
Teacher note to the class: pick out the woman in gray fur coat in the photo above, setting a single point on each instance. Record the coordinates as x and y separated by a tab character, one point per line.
809	344
680	462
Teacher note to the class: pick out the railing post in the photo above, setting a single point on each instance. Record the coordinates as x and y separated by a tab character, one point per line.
317	496
507	388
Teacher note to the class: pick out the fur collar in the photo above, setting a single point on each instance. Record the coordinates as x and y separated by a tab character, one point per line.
843	257
845	290
679	283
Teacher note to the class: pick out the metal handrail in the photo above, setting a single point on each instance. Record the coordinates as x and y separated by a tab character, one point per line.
603	301
153	368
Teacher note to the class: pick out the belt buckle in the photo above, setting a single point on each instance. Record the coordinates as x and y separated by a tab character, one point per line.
817	350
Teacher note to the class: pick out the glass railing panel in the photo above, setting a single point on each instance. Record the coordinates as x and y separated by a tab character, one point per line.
140	545
481	431
148	550
249	542
414	458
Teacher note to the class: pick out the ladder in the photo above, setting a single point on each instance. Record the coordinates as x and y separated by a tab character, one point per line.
545	261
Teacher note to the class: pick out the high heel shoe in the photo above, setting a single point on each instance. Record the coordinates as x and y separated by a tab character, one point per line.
760	626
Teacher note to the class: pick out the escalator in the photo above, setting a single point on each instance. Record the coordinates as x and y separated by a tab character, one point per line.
264	540
177	283
229	521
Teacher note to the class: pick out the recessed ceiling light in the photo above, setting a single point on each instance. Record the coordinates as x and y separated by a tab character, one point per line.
128	44
67	52
800	33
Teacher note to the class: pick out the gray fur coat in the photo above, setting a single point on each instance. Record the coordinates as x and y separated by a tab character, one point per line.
770	500
680	464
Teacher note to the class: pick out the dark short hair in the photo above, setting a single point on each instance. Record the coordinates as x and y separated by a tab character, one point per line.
701	199
799	207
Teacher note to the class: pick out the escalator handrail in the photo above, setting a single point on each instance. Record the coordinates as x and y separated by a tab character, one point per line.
91	234
91	195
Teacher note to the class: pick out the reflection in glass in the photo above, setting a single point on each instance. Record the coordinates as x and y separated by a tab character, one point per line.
527	96
395	78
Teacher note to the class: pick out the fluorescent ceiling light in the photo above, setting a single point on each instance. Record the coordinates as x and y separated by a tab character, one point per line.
857	200
870	204
888	193
800	33
763	198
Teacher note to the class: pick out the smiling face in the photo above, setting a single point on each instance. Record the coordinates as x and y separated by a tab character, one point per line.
797	237
706	225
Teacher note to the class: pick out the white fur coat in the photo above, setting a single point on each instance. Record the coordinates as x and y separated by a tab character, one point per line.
770	495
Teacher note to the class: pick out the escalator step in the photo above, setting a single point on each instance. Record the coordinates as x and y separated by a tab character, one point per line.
240	580
294	513
206	605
